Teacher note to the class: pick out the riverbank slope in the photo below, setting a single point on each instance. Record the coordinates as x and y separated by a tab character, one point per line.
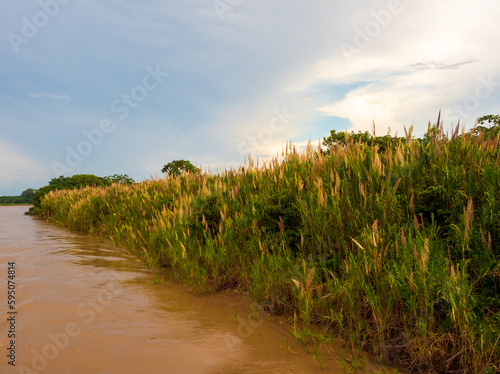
397	251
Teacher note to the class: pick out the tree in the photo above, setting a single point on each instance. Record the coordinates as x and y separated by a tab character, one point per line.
29	194
492	131
342	138
176	167
493	119
65	183
119	178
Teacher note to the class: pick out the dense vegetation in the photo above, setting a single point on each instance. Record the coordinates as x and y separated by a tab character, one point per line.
26	197
75	182
393	244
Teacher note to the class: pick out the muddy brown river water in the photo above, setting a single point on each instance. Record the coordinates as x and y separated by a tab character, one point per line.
84	306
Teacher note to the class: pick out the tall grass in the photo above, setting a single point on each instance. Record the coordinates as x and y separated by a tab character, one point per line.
396	251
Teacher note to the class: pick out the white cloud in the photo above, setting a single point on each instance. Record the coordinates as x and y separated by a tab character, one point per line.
60	97
403	98
422	62
227	77
42	95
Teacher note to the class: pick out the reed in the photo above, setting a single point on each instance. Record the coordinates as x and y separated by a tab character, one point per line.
395	250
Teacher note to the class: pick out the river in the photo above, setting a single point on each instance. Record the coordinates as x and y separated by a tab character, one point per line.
85	306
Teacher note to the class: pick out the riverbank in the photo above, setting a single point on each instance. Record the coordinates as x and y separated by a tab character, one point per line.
397	251
78	297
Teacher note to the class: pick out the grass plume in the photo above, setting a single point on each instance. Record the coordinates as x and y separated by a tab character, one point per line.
394	247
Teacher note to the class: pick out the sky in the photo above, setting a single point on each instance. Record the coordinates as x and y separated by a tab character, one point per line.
124	87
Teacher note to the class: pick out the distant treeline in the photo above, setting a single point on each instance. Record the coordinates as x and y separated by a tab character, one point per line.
14	200
75	182
25	198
